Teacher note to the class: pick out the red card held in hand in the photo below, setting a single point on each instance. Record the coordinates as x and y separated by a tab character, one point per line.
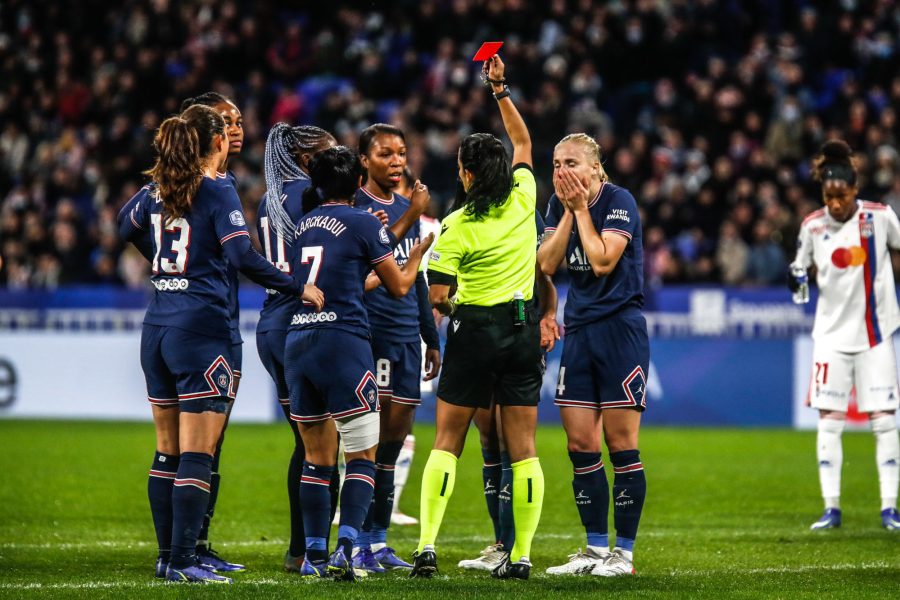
487	50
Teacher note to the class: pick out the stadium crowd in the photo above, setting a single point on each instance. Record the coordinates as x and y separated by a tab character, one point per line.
708	110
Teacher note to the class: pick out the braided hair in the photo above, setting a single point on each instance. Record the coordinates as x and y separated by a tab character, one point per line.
206	99
284	146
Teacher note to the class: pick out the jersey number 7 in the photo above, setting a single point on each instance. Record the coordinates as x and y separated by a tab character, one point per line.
312	254
180	245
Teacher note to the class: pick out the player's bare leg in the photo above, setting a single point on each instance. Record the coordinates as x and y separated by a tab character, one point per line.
584	432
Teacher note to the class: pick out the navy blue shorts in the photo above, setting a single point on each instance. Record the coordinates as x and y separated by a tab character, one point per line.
181	365
604	364
237	358
329	375
270	345
398	370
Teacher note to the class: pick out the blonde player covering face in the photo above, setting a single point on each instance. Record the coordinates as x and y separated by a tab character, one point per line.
849	242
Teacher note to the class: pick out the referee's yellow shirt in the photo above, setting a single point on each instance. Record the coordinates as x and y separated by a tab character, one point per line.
494	257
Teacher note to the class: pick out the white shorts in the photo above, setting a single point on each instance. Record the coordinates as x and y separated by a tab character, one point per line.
872	372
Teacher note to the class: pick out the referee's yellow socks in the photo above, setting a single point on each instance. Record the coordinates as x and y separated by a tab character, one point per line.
437	487
527	499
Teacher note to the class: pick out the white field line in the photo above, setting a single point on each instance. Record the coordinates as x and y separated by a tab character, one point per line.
98	585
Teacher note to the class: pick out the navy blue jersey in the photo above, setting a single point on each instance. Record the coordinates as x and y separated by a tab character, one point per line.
396	319
592	298
233	306
278	308
337	246
189	269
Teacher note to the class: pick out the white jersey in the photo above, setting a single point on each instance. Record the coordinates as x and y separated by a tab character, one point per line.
428	225
857	299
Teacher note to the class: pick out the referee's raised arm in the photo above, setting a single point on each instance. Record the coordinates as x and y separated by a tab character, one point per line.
512	120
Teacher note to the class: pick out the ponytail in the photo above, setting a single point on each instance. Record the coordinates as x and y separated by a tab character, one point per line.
280	163
177	172
181	144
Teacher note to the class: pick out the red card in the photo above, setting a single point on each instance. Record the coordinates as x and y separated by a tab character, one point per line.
487	50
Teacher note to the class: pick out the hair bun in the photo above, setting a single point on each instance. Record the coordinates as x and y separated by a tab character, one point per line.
836	150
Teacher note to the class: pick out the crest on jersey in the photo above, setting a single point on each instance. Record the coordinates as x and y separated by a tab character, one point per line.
383	236
867	226
223	380
237	218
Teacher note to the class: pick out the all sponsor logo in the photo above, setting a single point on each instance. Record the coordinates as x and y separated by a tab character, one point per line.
310	318
618	214
237	218
623	499
171	285
383	236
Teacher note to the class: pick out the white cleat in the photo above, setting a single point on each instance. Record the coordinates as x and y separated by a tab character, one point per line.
490	558
616	565
580	563
399	518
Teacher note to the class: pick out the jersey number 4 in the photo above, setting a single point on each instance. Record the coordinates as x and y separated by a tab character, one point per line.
180	245
313	255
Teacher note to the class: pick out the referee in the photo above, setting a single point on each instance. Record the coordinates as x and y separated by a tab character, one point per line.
486	255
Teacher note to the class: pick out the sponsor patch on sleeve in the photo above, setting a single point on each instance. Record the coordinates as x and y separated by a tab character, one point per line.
383	236
435	256
237	218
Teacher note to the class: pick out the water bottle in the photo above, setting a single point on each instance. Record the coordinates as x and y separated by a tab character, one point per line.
519	305
801	294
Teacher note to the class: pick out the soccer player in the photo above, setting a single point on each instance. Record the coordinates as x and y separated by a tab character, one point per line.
849	242
486	252
328	357
497	470
595	227
195	221
286	164
234	128
396	326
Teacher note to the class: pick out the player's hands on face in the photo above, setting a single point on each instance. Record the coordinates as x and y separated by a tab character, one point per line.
314	296
381	216
549	332
575	193
432	364
420	198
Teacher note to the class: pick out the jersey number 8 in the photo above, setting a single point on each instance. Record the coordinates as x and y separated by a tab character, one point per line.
179	246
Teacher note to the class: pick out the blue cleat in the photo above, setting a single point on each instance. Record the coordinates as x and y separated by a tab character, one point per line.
890	519
388	559
830	519
313	570
194	574
365	560
339	567
211	559
161	567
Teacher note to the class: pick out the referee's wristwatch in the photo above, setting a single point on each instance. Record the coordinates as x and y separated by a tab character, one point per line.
504	93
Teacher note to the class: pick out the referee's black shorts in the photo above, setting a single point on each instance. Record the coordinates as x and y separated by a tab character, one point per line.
490	358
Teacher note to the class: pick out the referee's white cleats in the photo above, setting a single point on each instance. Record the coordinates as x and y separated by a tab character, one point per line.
580	563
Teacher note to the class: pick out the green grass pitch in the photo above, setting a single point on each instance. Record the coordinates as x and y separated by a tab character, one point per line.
727	515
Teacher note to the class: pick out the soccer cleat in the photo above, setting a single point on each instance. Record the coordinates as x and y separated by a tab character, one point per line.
161	567
580	563
387	558
615	565
399	518
830	519
314	570
339	568
890	519
210	558
424	564
366	561
520	569
490	558
292	564
194	574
